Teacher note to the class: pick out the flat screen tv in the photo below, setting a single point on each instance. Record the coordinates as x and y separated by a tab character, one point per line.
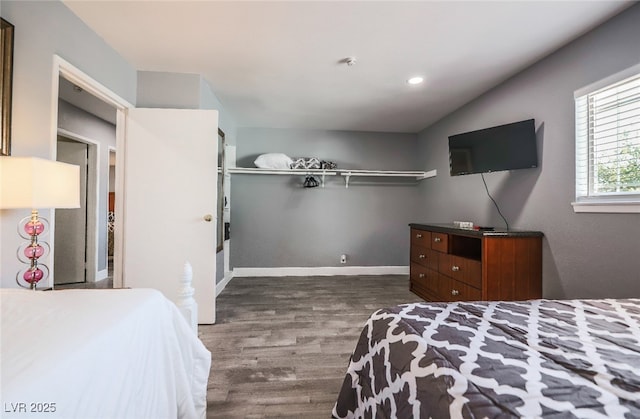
505	147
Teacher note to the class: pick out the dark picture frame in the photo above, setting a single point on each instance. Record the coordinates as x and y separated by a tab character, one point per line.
6	82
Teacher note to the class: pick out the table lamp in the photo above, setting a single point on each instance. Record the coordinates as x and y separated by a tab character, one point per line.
30	182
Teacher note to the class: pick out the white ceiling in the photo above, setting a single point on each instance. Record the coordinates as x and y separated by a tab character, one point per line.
280	64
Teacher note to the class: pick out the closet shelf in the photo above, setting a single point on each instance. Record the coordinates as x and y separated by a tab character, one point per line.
301	172
386	173
347	173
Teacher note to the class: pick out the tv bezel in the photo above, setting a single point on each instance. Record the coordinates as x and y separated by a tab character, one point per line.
487	131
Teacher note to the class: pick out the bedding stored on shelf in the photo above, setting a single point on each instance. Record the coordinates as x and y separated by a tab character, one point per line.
538	358
122	353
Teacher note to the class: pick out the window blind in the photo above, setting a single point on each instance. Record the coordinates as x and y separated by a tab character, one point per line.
608	141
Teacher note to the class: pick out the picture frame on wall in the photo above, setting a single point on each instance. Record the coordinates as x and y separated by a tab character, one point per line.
6	81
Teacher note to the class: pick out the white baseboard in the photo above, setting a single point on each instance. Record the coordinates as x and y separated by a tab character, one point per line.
228	276
322	271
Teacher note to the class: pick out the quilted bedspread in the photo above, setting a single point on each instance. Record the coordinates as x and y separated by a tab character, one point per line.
531	359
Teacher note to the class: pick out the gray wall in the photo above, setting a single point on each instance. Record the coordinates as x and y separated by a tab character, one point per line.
585	255
81	123
42	29
277	223
168	90
226	121
182	91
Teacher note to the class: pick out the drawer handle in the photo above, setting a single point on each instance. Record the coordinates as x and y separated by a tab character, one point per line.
421	276
437	239
455	268
421	256
455	292
418	236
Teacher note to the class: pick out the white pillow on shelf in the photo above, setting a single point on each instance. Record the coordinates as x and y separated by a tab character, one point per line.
273	161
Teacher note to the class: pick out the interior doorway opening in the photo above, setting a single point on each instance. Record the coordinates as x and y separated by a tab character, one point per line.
71	252
86	136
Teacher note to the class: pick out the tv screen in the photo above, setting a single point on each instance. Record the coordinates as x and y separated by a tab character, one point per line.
505	147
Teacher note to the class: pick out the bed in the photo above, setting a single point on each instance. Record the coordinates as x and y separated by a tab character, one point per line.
532	359
120	353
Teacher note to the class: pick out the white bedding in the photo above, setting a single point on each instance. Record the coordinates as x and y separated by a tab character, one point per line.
124	353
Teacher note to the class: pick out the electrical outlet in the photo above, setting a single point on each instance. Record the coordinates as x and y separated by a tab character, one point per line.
343	258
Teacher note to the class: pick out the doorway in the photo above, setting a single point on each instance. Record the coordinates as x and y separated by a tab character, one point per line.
70	248
85	108
146	193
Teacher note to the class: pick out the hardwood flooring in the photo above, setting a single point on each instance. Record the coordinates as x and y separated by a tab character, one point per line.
281	346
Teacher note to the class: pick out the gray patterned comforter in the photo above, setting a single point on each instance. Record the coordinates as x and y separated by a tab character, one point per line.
532	359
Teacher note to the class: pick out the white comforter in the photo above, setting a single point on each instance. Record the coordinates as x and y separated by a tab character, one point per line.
118	354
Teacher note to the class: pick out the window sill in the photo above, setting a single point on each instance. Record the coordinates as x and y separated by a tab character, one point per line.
616	207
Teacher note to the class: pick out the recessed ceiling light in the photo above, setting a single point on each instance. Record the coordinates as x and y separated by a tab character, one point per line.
415	80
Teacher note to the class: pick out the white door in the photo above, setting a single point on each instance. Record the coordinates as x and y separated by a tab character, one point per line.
170	177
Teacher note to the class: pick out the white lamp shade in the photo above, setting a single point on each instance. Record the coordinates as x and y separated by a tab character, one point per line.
30	182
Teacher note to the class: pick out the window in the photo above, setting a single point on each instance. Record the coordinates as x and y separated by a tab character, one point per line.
608	144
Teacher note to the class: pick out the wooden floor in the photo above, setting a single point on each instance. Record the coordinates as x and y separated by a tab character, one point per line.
281	346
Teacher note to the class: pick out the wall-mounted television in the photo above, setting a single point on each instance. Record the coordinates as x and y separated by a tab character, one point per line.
505	147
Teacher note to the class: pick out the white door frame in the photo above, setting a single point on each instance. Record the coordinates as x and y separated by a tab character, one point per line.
62	68
110	185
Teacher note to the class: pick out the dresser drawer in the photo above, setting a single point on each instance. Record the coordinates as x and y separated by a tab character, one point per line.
440	242
423	276
459	291
425	279
420	238
423	256
466	270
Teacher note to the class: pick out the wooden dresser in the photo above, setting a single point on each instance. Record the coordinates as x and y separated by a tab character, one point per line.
455	264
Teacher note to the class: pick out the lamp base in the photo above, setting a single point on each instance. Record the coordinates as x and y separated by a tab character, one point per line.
32	228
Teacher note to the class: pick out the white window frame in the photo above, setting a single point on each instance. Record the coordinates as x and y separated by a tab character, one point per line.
604	203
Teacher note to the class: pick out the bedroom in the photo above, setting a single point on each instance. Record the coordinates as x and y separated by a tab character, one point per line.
585	255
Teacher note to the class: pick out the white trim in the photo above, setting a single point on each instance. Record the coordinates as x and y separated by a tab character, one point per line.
222	284
120	191
322	271
585	201
76	76
614	78
80	138
607	207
